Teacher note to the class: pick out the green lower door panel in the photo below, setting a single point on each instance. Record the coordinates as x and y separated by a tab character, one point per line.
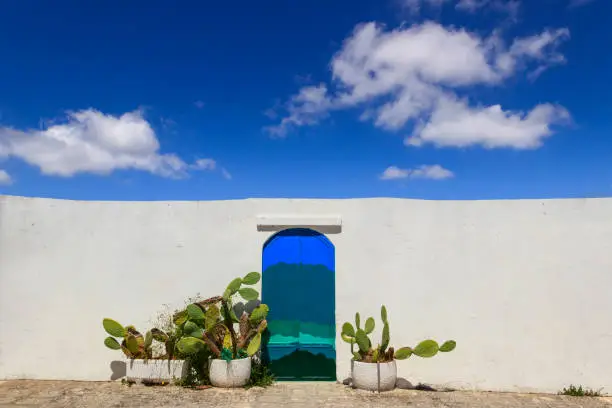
302	363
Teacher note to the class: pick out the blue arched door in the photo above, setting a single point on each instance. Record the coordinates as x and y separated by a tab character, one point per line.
299	286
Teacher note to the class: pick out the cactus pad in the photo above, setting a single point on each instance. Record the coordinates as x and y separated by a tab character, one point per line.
403	353
254	345
426	349
348	330
259	313
113	328
251	278
234	286
369	325
111	343
448	346
212	316
193	330
195	312
180	317
190	345
362	341
148	340
385	338
383	314
248	293
131	343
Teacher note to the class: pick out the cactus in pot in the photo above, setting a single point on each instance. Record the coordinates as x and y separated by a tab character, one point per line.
144	365
374	368
213	324
367	353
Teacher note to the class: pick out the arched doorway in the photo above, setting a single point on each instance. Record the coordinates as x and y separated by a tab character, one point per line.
299	286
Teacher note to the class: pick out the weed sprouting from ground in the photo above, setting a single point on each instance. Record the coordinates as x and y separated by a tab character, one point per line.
574	391
261	376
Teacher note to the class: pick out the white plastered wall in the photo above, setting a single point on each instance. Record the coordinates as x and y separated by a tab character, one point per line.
524	287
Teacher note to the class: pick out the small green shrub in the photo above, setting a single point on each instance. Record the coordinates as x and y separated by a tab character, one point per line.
126	382
574	391
261	376
197	373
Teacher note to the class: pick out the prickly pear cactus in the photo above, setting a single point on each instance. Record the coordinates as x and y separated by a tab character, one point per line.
207	324
384	353
131	342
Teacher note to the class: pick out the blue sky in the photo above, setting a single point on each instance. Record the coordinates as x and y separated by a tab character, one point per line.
434	99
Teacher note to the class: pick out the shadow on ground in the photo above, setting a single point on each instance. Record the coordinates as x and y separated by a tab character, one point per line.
404	384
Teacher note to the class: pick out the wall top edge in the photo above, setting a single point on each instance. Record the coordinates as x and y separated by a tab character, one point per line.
5	197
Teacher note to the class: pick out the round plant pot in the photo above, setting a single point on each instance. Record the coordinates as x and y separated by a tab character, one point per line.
374	376
162	370
228	374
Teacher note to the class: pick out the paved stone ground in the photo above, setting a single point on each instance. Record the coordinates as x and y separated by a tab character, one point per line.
286	395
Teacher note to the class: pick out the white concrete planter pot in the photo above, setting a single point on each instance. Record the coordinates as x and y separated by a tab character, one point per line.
227	374
374	376
155	370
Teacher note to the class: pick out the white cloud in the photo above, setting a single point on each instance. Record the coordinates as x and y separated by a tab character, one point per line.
394	173
204	164
404	75
541	48
93	142
455	123
433	172
210	165
305	108
5	178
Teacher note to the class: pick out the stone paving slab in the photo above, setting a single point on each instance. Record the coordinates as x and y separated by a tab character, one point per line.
27	393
